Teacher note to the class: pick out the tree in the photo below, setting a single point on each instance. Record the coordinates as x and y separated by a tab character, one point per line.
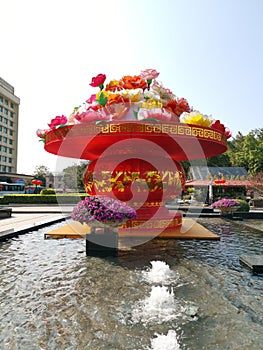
222	160
73	176
247	151
256	183
40	173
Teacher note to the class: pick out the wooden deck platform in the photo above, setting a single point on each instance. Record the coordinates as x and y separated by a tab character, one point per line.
189	230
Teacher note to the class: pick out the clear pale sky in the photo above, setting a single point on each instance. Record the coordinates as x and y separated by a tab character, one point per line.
208	51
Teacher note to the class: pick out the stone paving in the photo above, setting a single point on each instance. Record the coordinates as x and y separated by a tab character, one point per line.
26	218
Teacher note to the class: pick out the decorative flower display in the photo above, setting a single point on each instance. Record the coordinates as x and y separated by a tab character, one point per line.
195	117
58	121
134	98
225	204
103	209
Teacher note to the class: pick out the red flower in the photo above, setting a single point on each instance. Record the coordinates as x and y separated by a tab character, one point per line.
59	120
178	107
216	125
41	133
228	133
98	80
182	106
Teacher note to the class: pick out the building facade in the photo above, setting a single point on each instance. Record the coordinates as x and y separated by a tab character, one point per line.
9	116
56	181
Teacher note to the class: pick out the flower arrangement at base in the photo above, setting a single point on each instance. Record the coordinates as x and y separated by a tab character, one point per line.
226	205
133	98
102	211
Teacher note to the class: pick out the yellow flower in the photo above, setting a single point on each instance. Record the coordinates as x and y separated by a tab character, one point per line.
105	94
149	104
195	118
135	95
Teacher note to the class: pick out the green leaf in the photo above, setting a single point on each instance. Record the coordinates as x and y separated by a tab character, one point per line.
102	100
135	113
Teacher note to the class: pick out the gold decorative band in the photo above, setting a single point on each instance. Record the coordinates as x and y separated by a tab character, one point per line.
135	127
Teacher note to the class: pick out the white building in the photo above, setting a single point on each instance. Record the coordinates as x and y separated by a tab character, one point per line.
9	115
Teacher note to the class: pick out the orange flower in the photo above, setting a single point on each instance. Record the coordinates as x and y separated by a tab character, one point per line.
135	82
115	98
114	85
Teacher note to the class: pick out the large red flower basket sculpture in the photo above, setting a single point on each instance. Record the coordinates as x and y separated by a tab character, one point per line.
135	133
137	163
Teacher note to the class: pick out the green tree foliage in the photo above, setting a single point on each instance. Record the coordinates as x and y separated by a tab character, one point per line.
222	160
40	173
256	182
247	151
73	176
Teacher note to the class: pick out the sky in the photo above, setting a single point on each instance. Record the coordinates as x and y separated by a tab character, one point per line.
207	51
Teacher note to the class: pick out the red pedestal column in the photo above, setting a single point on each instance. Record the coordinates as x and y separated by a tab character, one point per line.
143	184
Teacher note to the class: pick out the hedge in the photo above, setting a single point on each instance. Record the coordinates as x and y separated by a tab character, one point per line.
41	199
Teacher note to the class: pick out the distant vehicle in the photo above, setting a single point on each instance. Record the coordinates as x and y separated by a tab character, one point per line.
11	188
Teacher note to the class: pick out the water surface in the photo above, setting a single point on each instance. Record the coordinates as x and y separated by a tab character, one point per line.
170	293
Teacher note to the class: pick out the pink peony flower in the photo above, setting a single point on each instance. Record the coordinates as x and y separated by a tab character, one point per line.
59	120
90	116
149	74
92	99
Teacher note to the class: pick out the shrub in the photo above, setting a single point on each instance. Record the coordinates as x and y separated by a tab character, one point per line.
243	205
47	191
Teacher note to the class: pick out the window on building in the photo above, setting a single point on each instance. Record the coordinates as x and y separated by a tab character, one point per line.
10	151
4	149
4	130
11	114
1	109
6	102
5	139
11	132
10	169
3	168
4	159
1	128
5	121
5	111
12	105
10	160
10	142
1	99
11	123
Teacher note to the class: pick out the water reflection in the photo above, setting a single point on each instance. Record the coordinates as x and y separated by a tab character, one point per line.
54	297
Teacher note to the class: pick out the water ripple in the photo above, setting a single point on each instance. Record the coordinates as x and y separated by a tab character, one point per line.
54	297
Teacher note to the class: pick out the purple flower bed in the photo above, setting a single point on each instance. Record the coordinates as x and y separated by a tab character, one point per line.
225	203
103	209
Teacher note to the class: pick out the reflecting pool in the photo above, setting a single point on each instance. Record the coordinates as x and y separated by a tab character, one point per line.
162	295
